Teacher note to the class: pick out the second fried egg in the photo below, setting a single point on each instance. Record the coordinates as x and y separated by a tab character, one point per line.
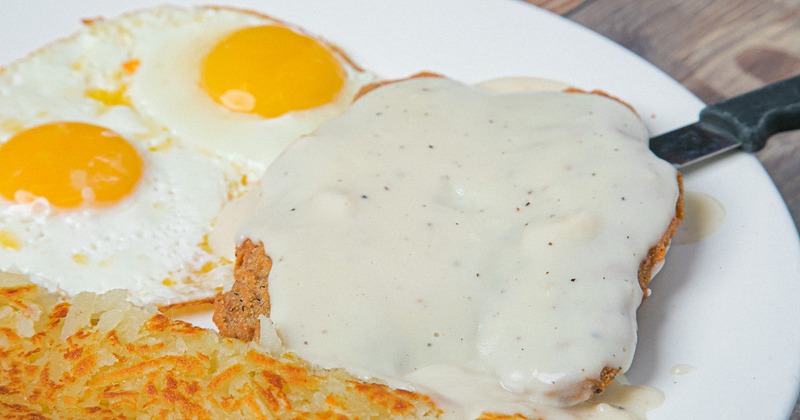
247	84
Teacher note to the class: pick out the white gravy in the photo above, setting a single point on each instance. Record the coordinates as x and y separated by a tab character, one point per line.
704	215
480	247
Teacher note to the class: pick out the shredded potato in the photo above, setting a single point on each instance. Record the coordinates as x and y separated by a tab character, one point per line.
98	356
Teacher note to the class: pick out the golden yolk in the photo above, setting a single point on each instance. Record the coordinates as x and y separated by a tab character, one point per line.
271	70
69	164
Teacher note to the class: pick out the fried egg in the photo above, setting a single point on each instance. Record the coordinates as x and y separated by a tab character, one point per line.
247	84
121	145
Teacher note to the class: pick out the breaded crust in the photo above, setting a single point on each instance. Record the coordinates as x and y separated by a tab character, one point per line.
658	252
372	86
236	311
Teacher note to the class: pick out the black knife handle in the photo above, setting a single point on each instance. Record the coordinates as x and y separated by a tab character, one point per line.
755	116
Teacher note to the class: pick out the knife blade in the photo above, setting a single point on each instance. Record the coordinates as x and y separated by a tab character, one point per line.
745	121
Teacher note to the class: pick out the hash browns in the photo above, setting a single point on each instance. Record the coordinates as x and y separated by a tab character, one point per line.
98	356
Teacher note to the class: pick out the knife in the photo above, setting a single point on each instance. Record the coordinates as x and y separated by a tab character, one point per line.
746	121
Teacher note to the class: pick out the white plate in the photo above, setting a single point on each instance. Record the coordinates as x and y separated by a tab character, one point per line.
726	306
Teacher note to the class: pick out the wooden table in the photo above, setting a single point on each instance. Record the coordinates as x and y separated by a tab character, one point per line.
717	49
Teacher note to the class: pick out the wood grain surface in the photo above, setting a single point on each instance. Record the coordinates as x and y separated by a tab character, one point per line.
716	48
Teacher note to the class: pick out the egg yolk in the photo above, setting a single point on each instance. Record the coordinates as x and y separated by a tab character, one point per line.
70	164
271	70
